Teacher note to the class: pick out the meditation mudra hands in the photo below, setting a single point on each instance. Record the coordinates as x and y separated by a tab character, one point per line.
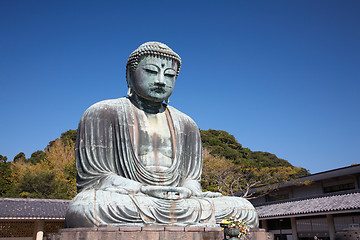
166	192
174	193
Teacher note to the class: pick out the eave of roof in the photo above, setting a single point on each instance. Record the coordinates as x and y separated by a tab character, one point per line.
23	208
313	206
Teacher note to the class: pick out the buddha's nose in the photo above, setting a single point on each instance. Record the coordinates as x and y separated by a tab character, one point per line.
160	81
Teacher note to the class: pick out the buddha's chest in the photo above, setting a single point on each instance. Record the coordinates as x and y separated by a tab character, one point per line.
154	144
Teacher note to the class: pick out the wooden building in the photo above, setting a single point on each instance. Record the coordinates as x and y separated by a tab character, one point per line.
27	219
325	205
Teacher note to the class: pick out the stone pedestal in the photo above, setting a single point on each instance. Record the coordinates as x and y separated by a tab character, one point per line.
143	233
150	233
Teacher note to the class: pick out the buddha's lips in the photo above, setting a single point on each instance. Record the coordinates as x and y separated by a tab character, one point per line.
158	89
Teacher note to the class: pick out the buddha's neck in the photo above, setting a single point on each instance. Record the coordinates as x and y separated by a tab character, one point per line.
146	105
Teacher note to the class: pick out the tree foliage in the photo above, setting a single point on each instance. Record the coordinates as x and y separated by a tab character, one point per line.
222	175
69	137
40	184
20	157
5	175
223	144
48	174
233	170
36	157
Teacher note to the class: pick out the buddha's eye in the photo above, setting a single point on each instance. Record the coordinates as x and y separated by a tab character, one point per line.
170	72
151	69
169	75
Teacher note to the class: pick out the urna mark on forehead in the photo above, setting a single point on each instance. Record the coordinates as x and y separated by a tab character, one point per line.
155	49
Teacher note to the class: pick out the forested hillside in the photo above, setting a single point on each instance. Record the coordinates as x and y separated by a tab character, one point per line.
46	174
228	168
231	169
223	144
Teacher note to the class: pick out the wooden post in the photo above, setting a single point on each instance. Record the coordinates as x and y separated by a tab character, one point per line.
264	225
293	229
331	226
39	230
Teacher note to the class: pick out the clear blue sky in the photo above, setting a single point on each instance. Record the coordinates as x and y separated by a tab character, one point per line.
281	76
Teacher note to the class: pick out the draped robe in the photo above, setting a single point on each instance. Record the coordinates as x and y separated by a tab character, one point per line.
109	174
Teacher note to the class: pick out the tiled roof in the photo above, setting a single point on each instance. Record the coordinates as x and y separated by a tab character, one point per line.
24	208
323	204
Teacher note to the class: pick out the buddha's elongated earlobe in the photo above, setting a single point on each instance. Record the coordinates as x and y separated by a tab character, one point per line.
167	100
130	92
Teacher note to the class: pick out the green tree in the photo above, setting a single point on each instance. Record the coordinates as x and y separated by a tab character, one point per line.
69	137
53	176
5	175
222	175
231	169
20	157
223	144
37	157
42	184
61	159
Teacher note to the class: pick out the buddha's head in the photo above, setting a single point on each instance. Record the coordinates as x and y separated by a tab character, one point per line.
151	71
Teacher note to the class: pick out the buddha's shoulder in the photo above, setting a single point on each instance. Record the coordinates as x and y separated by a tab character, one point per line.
109	105
178	115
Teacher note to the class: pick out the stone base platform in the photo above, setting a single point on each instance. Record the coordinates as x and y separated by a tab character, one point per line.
150	233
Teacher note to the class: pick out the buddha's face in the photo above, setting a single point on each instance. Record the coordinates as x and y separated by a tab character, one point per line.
154	78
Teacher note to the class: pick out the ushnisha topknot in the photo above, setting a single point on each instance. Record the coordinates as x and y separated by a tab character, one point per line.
154	49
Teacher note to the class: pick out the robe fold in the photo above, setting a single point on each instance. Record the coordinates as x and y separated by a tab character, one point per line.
110	174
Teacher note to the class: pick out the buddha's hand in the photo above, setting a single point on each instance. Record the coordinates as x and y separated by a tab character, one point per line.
166	192
118	184
211	194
